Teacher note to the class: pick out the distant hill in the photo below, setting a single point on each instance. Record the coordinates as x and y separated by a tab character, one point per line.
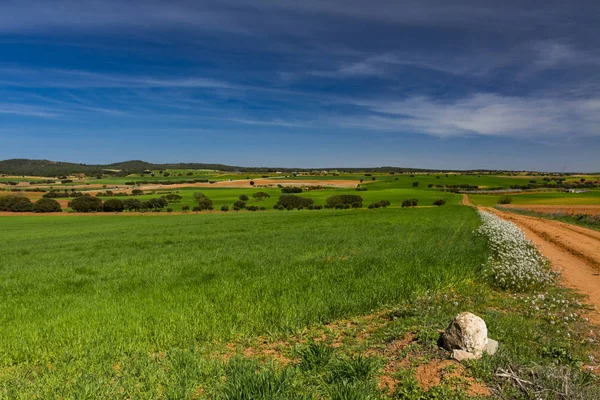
47	168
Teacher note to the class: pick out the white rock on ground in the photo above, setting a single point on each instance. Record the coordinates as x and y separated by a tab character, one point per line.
466	332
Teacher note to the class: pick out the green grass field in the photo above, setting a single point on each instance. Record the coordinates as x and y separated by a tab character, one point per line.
77	295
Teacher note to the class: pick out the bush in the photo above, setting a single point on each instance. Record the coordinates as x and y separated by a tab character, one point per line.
252	208
132	205
291	201
291	189
154	204
113	205
15	204
86	203
380	204
439	202
225	208
205	204
415	184
169	210
240	204
410	203
341	200
137	192
46	206
173	198
185	208
260	196
243	197
505	200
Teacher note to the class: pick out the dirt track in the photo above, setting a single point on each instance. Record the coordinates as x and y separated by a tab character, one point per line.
573	250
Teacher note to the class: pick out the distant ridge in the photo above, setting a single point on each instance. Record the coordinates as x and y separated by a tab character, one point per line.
24	166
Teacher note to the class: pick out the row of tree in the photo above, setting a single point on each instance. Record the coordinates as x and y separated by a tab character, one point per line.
23	204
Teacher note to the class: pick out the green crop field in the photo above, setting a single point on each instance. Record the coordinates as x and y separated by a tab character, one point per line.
77	295
551	198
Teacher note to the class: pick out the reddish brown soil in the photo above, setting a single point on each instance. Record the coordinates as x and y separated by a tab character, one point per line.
573	250
451	373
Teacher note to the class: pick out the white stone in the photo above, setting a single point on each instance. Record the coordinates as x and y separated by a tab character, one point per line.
492	347
466	332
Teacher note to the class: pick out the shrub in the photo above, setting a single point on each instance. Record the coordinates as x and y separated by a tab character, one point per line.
415	184
46	206
341	200
225	208
113	205
86	203
205	204
185	208
132	205
240	204
505	200
169	210
291	201
251	183
154	204
439	202
15	204
252	208
291	189
410	203
243	197
199	196
382	204
173	198
260	196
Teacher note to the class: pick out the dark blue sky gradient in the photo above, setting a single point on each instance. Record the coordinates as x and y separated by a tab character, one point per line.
433	84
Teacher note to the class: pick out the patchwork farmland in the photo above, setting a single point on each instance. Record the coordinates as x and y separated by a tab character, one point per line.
331	284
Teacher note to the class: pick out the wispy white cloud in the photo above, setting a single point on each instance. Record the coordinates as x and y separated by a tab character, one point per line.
27	110
482	114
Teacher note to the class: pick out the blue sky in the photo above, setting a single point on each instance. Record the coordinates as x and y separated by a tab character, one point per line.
312	83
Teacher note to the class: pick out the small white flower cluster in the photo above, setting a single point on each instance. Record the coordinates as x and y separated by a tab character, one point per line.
514	262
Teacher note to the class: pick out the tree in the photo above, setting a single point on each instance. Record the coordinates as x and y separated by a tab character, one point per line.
225	208
86	203
205	204
260	196
239	204
243	197
415	184
15	204
137	192
113	205
46	206
251	183
132	204
410	203
439	202
291	201
173	198
341	200
199	196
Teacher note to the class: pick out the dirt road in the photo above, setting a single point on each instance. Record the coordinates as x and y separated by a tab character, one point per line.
573	250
